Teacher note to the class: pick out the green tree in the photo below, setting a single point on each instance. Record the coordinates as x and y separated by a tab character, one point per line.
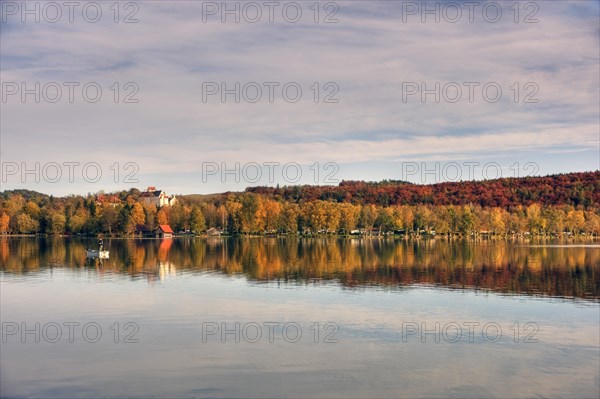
126	223
197	222
177	217
77	222
210	213
150	212
467	220
108	218
385	220
233	207
55	222
368	215
422	218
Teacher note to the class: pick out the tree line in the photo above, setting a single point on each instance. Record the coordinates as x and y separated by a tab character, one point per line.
301	210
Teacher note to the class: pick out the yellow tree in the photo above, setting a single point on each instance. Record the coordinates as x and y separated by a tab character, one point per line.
349	216
260	215
592	223
575	221
27	224
535	221
272	211
555	220
12	206
314	213
4	222
497	224
441	218
408	218
222	216
252	213
33	210
332	217
162	217
482	219
289	218
137	214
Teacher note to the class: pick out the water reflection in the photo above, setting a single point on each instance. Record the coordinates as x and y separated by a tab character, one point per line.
571	271
50	280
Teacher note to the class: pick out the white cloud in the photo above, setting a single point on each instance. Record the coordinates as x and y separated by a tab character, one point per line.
368	54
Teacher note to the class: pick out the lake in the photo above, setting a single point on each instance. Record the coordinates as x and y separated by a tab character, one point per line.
299	317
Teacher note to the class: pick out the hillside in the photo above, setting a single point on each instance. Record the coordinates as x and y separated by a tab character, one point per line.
551	205
571	189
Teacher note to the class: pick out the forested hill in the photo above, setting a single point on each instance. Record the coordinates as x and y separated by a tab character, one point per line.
576	189
563	189
552	205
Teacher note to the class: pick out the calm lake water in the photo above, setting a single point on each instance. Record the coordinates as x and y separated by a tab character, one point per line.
320	317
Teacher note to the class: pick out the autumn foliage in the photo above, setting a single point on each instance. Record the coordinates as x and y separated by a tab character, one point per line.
551	205
566	189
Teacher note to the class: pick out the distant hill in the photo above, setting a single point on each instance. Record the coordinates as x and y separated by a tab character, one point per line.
561	189
572	189
26	194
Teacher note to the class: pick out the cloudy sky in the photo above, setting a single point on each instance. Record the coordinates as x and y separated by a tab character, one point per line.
345	90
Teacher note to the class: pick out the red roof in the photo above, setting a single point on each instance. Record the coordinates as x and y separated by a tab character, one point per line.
166	228
155	193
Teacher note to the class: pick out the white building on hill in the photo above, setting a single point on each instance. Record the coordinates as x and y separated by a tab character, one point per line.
157	197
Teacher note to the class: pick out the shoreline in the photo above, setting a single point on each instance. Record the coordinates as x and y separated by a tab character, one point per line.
407	237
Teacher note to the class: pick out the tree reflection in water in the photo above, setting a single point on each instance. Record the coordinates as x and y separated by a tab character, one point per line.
571	271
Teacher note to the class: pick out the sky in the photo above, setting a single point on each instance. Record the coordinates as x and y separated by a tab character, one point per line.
203	97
